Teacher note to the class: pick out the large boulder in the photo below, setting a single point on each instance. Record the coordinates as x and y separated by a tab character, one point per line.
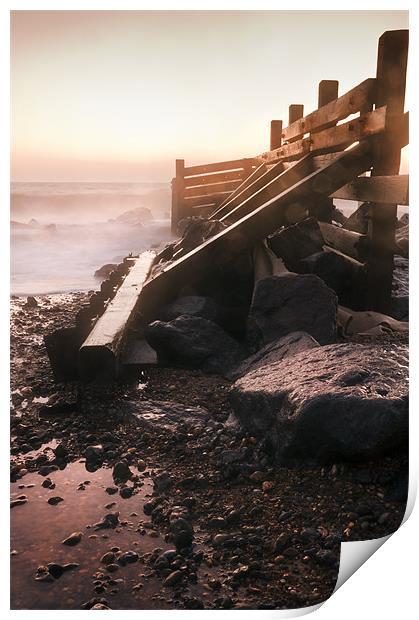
191	305
293	243
291	302
275	351
193	342
341	401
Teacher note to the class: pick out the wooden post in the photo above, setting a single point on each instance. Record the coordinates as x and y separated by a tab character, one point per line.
328	91
177	194
295	111
276	135
391	84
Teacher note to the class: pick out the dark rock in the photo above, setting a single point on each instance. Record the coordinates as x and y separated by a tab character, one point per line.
126	492
162	482
304	410
181	528
109	521
296	242
291	303
31	303
129	557
191	305
108	558
121	471
62	347
358	220
60	451
73	539
94	453
111	490
338	272
275	351
18	502
193	342
55	500
174	578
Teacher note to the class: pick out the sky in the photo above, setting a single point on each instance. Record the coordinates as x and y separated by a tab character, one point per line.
118	95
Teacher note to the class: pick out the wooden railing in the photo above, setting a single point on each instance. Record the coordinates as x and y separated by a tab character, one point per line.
371	112
198	190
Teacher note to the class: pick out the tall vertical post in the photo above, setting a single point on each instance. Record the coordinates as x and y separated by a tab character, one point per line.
177	194
391	84
328	91
276	135
295	111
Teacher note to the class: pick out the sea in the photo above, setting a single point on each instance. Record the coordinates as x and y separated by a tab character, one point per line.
61	233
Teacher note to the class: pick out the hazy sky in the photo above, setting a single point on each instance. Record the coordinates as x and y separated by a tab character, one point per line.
118	95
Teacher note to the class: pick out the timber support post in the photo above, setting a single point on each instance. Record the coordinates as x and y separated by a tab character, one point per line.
295	111
328	91
391	84
177	194
276	135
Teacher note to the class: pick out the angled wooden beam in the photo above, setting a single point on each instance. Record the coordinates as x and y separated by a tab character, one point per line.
229	202
258	224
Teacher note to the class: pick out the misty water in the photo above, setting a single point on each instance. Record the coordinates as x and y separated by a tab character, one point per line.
62	232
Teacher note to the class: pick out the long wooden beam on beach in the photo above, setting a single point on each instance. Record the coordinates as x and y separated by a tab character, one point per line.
99	354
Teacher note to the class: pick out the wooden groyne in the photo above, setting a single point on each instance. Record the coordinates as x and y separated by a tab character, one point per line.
348	148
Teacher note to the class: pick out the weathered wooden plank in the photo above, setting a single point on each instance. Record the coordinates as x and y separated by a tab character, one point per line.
334	138
350	243
272	183
391	85
99	354
211	188
349	103
253	227
216	177
194	201
343	135
233	164
260	177
384	189
224	206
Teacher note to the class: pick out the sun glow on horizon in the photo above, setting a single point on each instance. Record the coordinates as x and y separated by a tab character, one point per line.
120	94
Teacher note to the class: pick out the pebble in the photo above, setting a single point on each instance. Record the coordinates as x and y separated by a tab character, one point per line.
174	578
53	501
17	502
73	539
111	490
108	558
383	518
126	492
121	471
